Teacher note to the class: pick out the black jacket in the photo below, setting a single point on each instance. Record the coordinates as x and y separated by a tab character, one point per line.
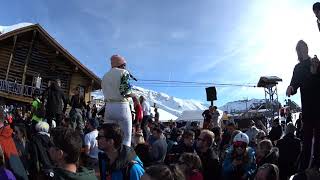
55	98
309	85
39	151
77	102
210	165
289	149
275	133
181	148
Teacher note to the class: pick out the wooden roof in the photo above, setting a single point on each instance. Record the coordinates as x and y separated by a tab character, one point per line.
55	44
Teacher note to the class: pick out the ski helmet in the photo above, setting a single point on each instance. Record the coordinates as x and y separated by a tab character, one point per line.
242	137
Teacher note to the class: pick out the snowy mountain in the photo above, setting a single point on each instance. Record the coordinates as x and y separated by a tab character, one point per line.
170	104
241	105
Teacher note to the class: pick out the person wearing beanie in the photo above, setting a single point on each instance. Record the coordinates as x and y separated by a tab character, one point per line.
240	162
117	89
289	150
309	83
91	143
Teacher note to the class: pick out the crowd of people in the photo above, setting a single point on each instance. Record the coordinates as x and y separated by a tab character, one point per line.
42	141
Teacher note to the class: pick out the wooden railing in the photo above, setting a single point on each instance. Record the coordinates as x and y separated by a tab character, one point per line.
16	89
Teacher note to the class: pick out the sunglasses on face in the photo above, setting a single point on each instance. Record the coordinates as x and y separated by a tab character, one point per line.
239	144
100	136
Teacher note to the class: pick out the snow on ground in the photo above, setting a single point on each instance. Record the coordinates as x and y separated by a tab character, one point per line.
169	107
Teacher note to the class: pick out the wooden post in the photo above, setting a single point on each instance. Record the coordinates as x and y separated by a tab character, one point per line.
11	56
28	57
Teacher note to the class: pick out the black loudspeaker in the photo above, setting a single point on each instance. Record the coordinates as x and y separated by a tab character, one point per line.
211	93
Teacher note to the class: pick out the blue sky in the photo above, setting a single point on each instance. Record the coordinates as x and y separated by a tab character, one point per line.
207	41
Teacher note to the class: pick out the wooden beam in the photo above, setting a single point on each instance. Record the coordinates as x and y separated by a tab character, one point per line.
11	56
16	97
28	57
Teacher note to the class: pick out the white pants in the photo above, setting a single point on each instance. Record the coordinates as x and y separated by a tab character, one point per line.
120	113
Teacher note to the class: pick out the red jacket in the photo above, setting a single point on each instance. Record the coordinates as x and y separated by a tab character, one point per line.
6	142
139	112
196	175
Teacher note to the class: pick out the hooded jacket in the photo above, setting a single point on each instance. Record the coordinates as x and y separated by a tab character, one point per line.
127	158
232	172
39	146
11	154
81	174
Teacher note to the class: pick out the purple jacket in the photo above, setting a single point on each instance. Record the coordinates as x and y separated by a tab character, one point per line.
6	174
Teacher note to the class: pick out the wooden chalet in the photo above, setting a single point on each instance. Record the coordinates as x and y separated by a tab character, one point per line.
28	54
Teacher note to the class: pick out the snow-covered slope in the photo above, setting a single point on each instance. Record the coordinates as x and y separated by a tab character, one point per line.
6	29
170	104
241	105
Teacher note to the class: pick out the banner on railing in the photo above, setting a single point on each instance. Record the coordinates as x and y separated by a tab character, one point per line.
15	88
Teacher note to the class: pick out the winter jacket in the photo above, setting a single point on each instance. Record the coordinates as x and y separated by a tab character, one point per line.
115	85
81	174
210	164
232	172
195	175
11	154
39	147
128	165
77	102
272	158
289	149
55	98
275	133
142	151
23	151
309	85
182	148
176	151
6	174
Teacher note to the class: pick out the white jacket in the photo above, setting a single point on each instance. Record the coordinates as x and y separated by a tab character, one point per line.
115	85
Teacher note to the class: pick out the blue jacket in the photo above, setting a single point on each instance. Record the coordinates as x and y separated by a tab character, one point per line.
248	169
127	161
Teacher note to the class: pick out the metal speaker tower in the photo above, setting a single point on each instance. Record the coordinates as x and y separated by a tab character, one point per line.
269	83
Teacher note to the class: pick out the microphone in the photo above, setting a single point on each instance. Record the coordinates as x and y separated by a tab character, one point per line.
132	77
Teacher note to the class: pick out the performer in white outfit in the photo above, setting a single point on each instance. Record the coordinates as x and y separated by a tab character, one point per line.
116	90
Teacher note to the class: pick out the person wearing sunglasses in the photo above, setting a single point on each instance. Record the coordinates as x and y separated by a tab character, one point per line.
240	162
209	157
117	161
117	90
